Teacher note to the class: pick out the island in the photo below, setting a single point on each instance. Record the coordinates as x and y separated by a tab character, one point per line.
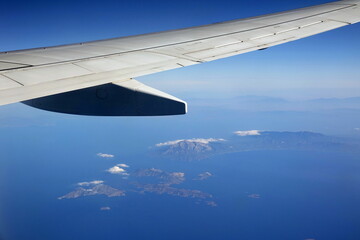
99	189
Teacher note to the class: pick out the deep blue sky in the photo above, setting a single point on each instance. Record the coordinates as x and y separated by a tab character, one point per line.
321	66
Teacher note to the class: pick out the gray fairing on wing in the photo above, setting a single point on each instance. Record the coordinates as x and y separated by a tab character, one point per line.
109	100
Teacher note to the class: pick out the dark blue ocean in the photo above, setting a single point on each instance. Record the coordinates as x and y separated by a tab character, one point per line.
301	195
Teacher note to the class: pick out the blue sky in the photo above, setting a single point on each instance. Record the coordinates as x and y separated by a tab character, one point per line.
325	65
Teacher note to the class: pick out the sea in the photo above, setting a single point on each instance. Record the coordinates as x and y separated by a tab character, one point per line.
258	195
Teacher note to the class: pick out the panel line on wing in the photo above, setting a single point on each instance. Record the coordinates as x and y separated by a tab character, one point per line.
1	61
311	24
208	56
12	79
228	44
183	57
7	65
339	21
288	30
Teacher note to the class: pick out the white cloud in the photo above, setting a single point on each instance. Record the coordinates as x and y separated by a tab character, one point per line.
95	182
105	208
123	165
178	174
357	129
117	170
248	133
195	140
105	155
254	195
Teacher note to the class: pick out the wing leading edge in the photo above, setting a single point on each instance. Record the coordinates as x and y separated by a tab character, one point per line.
38	73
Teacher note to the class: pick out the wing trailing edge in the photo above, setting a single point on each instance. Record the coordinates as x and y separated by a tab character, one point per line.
123	98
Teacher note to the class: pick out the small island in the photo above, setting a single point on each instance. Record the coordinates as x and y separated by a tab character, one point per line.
98	189
179	192
203	176
166	180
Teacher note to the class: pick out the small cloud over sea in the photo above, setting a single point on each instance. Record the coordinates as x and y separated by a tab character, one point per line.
105	155
248	133
105	208
119	169
92	183
123	165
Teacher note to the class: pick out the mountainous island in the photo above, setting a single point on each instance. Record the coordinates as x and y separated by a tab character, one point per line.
254	140
98	189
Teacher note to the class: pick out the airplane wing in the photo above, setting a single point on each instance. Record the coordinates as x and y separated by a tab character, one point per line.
96	78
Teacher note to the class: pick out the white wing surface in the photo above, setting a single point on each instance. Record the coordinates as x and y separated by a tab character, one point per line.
36	73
